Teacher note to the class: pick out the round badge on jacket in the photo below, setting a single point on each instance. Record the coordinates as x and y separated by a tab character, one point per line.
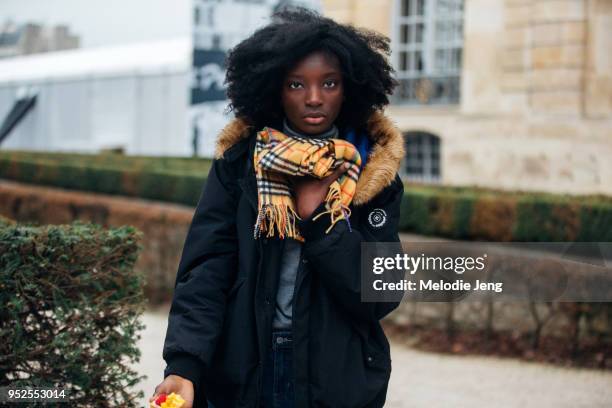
377	217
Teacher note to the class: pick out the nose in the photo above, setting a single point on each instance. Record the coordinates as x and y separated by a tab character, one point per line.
313	97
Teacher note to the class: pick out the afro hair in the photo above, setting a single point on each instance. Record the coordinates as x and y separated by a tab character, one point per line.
256	67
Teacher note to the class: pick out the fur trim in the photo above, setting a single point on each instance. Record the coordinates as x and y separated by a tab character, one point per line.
384	159
231	134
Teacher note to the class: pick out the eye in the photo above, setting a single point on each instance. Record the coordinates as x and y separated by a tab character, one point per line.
333	82
291	83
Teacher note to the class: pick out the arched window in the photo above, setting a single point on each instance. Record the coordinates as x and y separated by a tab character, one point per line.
422	161
427	51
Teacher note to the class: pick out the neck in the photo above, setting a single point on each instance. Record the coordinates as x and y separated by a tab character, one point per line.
332	132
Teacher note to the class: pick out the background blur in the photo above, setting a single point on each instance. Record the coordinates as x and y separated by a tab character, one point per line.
506	108
499	93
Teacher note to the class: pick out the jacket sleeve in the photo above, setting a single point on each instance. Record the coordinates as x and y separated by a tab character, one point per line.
336	256
206	271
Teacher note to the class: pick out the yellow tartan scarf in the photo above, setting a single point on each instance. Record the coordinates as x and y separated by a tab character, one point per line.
278	156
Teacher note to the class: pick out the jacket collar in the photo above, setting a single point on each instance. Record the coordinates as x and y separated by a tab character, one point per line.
384	158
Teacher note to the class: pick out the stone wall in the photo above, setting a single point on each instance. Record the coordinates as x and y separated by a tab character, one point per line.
598	64
372	14
536	95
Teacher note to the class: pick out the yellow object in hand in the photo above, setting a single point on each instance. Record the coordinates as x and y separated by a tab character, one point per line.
171	400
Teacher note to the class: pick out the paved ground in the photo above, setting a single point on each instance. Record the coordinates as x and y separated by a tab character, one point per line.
431	380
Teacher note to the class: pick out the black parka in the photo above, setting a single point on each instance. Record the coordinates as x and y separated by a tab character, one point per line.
221	315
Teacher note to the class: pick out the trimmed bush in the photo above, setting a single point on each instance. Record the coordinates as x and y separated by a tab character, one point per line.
70	307
173	179
453	212
479	214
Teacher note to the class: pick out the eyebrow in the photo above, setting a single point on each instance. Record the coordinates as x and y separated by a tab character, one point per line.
325	74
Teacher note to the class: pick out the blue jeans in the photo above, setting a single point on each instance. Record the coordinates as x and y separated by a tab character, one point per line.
277	373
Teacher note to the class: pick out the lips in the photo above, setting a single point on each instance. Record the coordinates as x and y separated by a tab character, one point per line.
314	114
314	118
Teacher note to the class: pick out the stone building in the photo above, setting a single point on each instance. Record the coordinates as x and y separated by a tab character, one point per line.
505	94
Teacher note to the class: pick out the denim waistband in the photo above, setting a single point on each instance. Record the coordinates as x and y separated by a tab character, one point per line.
281	339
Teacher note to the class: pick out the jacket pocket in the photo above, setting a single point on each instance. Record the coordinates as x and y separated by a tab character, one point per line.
375	358
377	352
235	355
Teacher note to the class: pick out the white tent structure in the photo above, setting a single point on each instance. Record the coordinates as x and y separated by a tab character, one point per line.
134	97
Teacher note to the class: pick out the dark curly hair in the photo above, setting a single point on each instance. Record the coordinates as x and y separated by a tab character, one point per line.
256	67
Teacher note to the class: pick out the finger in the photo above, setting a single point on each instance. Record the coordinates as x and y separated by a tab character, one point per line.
160	389
154	394
340	171
188	395
327	181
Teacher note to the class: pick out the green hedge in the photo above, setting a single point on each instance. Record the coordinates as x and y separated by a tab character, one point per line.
453	212
172	179
478	214
70	307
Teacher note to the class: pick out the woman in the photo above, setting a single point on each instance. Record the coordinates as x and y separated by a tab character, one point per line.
266	308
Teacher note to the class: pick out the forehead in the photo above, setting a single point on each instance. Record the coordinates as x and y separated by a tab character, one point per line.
317	62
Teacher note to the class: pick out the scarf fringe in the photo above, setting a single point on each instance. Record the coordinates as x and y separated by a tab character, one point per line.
280	218
335	207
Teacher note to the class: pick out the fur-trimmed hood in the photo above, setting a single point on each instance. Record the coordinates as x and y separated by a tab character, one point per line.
383	162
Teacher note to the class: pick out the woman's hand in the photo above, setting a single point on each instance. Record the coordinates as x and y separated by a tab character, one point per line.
310	191
178	385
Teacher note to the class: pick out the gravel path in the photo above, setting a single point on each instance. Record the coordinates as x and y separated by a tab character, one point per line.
422	379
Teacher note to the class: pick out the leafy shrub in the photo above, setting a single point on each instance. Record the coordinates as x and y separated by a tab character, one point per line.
70	306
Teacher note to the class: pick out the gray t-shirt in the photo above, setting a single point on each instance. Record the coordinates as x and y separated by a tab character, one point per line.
291	255
288	272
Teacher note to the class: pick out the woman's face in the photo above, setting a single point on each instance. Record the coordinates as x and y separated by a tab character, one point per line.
312	93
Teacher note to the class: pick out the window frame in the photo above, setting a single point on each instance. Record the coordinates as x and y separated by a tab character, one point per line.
428	163
431	75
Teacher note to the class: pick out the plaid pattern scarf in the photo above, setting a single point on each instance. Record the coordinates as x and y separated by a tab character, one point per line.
278	157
